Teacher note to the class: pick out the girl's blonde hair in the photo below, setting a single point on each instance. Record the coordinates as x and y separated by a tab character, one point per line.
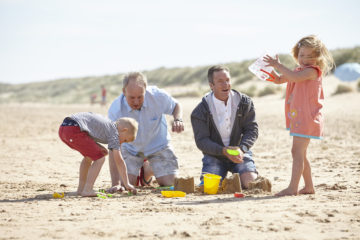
323	57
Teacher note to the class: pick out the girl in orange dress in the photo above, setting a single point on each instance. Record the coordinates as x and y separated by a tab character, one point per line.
303	104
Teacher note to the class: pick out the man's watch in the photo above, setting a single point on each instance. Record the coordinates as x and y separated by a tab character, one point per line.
178	120
244	148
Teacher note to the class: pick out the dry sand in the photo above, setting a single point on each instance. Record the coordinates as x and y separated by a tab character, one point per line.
35	163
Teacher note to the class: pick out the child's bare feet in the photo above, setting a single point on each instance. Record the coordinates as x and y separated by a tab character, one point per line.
91	193
131	189
307	190
116	188
286	192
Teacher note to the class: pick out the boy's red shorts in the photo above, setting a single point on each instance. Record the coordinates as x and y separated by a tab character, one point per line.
82	142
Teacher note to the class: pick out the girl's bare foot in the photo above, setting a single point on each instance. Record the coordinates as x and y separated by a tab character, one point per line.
306	190
286	192
91	193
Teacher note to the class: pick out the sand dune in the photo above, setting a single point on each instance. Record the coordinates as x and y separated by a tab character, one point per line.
35	164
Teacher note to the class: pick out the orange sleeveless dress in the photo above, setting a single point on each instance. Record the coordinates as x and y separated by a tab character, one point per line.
303	107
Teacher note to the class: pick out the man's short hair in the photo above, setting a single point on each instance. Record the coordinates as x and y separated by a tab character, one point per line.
130	123
215	68
135	76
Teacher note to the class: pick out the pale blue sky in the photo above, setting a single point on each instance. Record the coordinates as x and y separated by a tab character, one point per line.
51	39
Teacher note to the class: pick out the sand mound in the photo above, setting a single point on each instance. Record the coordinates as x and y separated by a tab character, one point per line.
260	183
231	184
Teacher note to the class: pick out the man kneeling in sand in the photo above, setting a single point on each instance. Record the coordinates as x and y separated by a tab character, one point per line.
225	120
83	131
148	105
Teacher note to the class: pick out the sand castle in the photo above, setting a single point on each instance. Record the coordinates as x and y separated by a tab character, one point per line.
184	184
231	184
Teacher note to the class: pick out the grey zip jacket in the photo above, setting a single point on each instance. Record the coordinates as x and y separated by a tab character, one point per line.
244	126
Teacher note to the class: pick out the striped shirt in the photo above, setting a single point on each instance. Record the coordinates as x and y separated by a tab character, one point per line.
100	128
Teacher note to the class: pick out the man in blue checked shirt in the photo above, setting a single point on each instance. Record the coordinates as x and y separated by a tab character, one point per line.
148	105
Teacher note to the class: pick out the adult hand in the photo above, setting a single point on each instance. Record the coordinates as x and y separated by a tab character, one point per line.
234	158
177	126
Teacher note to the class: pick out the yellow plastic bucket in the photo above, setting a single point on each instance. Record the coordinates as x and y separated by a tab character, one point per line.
211	183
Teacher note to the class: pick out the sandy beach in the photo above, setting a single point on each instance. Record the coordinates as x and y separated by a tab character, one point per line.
35	164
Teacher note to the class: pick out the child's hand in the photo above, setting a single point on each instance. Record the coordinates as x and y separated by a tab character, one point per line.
131	188
273	62
275	78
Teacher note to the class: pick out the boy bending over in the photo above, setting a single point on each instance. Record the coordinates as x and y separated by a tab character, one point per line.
83	132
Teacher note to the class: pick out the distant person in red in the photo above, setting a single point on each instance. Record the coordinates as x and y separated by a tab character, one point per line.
103	95
92	98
